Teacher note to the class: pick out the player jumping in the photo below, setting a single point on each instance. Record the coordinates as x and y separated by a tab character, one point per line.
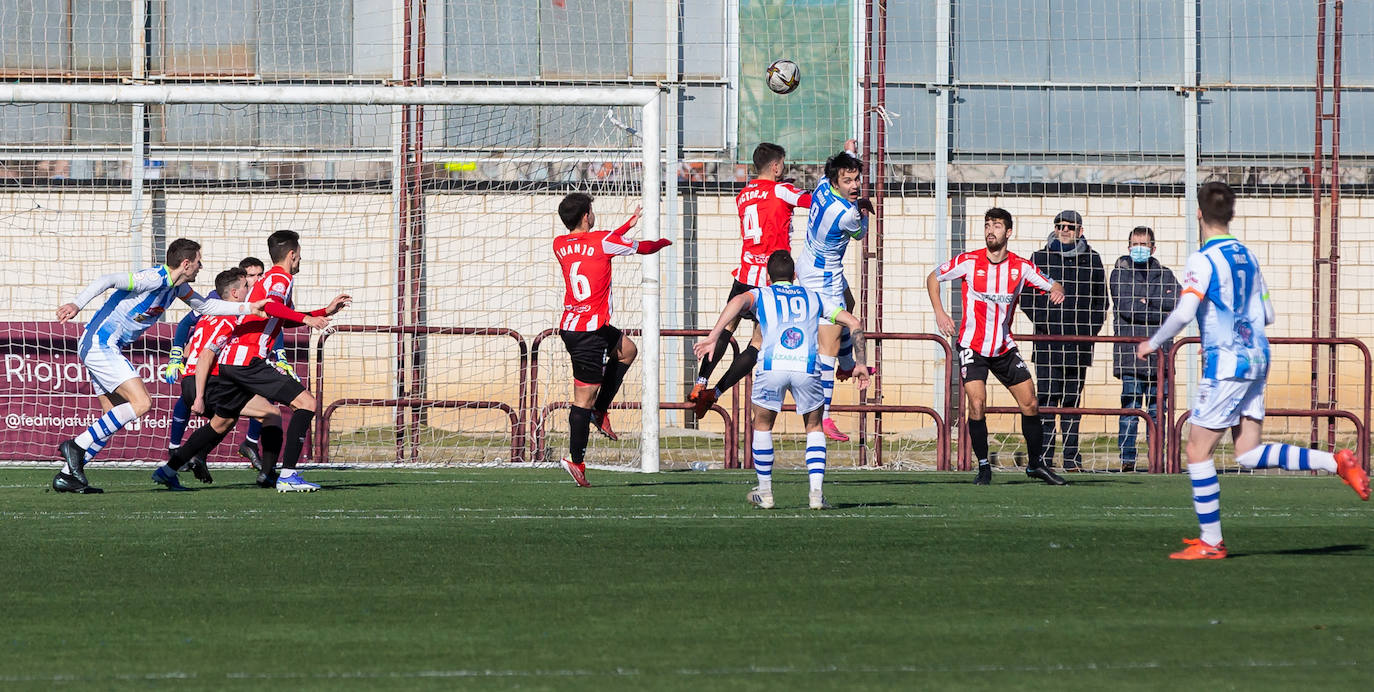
1224	290
245	373
789	319
837	216
765	220
209	336
992	280
601	354
138	302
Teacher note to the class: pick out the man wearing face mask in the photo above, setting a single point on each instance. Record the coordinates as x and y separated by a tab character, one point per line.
1143	294
1061	367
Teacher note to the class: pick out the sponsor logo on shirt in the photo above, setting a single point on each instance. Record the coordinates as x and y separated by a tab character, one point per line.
792	338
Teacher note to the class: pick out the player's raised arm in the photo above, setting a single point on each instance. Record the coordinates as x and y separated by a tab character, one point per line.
1197	279
121	280
214	306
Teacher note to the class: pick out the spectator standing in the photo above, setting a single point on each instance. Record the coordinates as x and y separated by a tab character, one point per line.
1061	367
1144	292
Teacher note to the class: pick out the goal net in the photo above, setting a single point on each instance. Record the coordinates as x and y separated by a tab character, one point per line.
434	208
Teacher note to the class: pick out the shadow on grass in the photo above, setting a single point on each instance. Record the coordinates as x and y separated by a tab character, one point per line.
1340	549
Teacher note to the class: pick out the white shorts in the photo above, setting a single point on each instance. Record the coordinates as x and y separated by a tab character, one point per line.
107	368
771	385
1222	403
829	283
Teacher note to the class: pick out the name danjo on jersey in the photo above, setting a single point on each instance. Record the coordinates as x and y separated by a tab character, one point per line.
254	335
789	316
586	262
1231	319
765	226
989	297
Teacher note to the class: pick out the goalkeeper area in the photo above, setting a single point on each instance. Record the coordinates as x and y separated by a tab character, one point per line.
484	579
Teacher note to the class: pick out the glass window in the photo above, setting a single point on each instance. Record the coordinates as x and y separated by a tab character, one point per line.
492	39
33	35
305	126
1001	41
1092	40
913	130
102	123
37	123
207	125
489	126
1357	107
911	34
1358	46
1001	121
1271	122
1258	42
703	38
215	37
101	36
584	40
703	119
304	37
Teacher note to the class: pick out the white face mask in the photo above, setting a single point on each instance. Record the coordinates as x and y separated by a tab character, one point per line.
1140	254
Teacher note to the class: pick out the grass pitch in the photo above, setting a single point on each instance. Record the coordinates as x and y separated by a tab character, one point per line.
503	579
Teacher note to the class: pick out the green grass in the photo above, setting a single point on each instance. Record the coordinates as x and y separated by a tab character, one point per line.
503	579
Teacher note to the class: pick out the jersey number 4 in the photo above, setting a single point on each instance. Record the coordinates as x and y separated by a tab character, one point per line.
752	231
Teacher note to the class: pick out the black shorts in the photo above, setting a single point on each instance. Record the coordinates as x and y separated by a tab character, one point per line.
188	391
590	351
740	288
228	393
1008	368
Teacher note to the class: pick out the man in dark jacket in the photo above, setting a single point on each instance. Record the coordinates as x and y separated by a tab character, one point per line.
1143	294
1060	368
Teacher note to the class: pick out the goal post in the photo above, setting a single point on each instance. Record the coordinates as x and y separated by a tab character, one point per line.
647	136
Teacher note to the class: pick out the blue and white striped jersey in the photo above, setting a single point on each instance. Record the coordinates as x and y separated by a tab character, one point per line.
1225	277
789	316
132	309
833	221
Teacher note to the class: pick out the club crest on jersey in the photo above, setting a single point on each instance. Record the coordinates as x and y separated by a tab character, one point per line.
792	338
1245	333
1015	273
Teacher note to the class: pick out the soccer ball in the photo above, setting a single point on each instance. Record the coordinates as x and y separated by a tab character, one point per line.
784	76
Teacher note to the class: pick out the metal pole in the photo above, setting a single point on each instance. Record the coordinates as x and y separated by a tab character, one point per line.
649	287
673	118
942	122
1315	178
1333	265
139	40
1191	135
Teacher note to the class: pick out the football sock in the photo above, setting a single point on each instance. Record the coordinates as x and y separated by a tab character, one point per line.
815	459
708	365
254	434
827	380
271	444
1206	499
763	459
1288	457
296	431
610	385
579	427
201	441
94	438
1035	440
846	357
739	367
181	413
978	439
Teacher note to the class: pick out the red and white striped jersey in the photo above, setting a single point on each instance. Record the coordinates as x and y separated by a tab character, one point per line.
254	335
210	329
586	262
765	226
989	297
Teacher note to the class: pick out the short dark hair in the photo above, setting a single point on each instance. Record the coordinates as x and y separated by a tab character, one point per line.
1142	230
766	153
1217	201
180	250
282	242
573	207
998	213
843	161
781	267
227	278
251	261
